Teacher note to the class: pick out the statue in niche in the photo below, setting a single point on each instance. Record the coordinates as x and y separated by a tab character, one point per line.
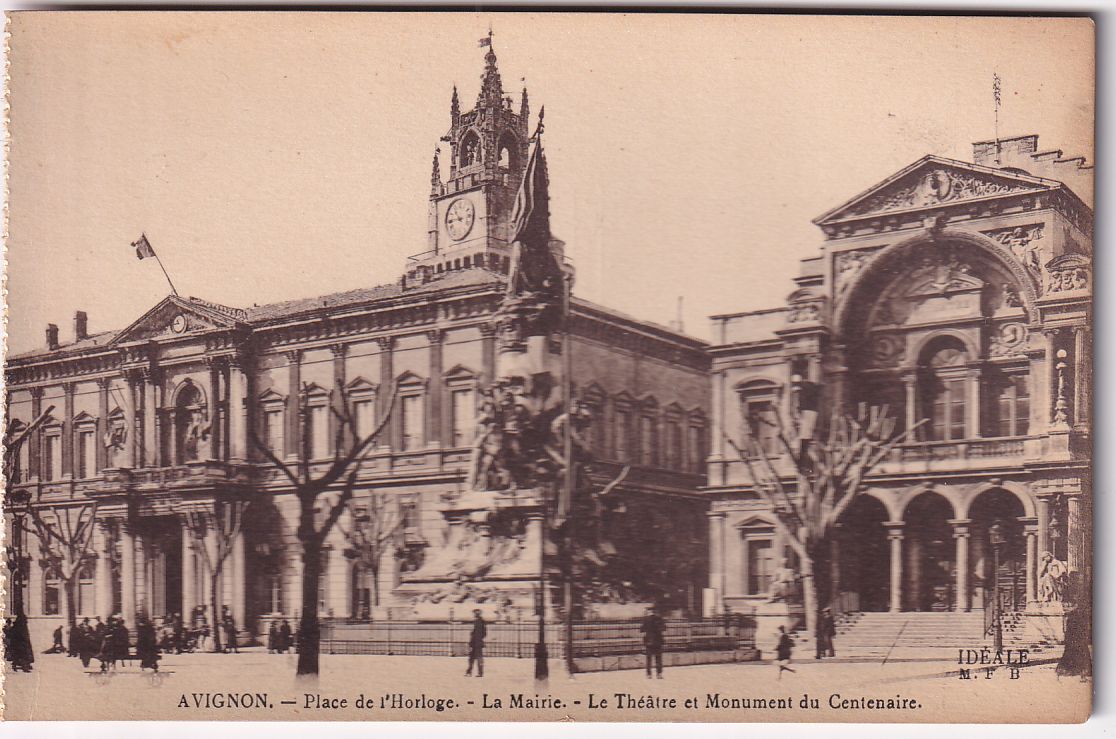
197	430
1052	579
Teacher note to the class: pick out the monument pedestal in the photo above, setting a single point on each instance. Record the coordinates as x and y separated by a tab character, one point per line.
770	616
1045	623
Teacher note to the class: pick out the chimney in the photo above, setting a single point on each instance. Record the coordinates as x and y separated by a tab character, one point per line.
81	325
52	336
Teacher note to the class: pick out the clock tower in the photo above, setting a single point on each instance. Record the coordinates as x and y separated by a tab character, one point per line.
470	211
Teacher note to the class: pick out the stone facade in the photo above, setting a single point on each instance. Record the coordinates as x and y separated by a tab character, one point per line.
954	292
163	417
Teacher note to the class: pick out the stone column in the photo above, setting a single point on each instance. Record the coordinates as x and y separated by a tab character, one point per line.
1043	523
34	453
189	575
1031	573
102	426
128	573
972	420
1051	360
133	421
151	403
337	395
214	364
237	566
435	432
1081	366
68	430
210	544
102	585
387	387
488	353
961	537
236	411
1074	534
717	579
910	385
718	420
294	401
895	538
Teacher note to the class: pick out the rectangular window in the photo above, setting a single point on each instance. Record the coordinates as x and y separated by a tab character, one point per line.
364	417
52	456
408	514
647	455
86	454
52	594
957	408
464	412
673	445
759	566
623	434
1013	407
25	460
85	602
317	421
273	430
412	414
697	449
762	422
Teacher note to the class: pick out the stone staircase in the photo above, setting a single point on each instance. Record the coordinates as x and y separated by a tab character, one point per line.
919	636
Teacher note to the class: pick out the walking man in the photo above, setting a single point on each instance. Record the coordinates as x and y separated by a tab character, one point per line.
653	627
783	652
826	630
476	645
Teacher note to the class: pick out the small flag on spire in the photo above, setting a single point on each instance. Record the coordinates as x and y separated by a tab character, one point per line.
486	41
143	247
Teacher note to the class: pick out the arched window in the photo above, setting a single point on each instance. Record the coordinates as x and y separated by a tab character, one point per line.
507	148
190	424
759	404
943	389
470	149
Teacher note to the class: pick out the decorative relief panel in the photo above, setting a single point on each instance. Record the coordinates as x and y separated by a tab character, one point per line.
1067	273
1022	241
1008	339
933	187
847	265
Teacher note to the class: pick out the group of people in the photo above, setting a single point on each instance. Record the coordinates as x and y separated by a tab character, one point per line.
17	643
280	639
109	642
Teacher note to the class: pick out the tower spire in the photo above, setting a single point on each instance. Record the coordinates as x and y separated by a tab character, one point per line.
492	88
455	107
436	174
524	106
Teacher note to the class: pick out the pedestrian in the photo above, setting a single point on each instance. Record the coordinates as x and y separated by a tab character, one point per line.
178	633
19	649
273	638
653	627
476	645
74	643
147	647
783	652
230	634
285	637
121	646
56	646
89	645
826	630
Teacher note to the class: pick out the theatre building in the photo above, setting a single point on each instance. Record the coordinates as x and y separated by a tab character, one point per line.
955	292
161	418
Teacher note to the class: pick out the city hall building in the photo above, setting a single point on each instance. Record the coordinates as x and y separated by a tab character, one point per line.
957	296
161	418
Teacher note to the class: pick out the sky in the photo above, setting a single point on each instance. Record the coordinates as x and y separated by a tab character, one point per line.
285	155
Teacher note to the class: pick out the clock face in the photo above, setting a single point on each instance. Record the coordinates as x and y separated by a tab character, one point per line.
459	218
179	324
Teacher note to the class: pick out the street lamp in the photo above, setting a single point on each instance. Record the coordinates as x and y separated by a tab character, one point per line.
996	539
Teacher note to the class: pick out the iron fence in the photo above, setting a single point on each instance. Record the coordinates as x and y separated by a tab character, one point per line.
595	638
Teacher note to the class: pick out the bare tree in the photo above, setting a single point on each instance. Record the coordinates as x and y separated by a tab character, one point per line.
338	477
225	522
15	502
65	535
826	476
375	527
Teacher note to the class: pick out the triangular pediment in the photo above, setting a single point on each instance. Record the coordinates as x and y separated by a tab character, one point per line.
174	317
932	182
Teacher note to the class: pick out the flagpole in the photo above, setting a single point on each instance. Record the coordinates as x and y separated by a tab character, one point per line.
160	261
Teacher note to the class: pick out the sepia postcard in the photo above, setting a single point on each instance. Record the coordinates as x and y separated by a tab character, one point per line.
548	366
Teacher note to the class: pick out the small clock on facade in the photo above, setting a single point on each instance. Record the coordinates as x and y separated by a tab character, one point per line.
178	325
459	218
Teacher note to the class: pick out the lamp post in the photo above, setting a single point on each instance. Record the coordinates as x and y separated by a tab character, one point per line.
996	539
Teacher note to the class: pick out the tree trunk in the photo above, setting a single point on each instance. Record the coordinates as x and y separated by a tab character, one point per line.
809	595
309	629
214	582
376	584
68	602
